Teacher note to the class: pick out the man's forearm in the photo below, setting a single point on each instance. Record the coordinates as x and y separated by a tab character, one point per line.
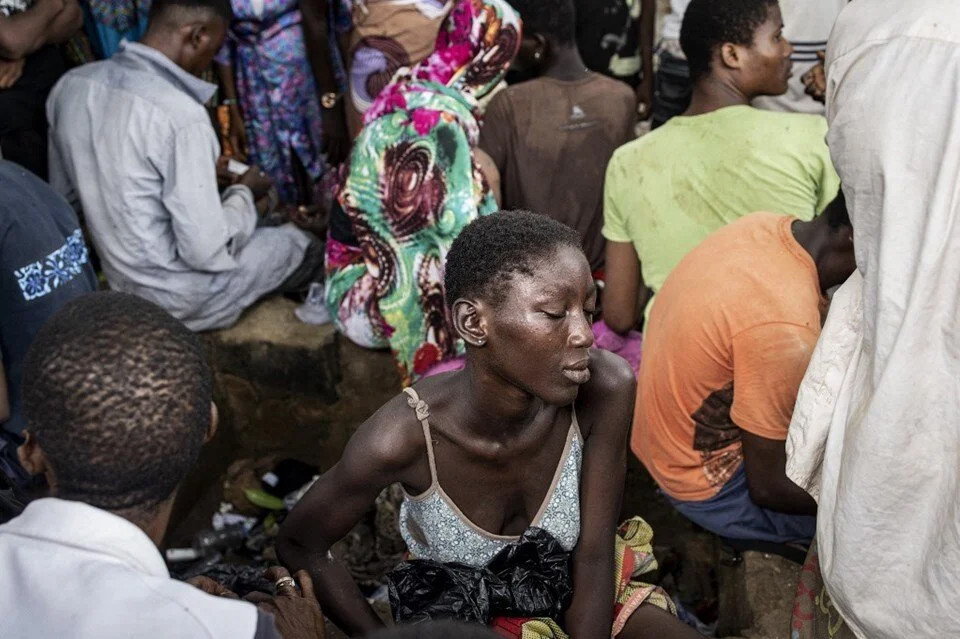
66	24
24	33
784	496
648	13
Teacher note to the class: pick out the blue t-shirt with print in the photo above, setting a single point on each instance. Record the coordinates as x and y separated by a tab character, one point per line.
44	263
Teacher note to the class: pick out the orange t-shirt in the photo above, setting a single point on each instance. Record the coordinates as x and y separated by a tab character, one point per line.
728	342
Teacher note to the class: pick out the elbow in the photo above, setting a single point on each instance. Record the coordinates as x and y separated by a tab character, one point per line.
618	321
13	46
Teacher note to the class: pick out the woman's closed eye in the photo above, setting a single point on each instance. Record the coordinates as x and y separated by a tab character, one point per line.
554	314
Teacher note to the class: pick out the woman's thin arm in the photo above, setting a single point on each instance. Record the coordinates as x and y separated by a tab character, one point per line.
317	40
238	129
621	296
380	453
606	404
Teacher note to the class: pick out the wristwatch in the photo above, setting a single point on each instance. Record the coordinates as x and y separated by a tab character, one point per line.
329	99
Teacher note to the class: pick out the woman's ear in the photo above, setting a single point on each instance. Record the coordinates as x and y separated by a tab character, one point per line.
469	322
730	55
541	52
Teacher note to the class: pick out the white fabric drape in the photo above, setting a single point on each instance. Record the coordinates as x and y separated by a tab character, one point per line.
876	430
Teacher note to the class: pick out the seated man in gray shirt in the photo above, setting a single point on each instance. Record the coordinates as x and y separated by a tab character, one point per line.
130	138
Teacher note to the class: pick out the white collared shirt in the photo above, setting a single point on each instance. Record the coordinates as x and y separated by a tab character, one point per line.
69	570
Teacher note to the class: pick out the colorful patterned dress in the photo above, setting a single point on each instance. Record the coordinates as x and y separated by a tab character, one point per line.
388	35
277	93
412	185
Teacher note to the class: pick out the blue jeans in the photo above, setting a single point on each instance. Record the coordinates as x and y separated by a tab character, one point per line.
731	513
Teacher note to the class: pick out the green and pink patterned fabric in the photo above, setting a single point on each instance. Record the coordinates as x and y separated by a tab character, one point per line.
411	187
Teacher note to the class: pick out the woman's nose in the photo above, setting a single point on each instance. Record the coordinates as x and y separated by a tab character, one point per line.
581	334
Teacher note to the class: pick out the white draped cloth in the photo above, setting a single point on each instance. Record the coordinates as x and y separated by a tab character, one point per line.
876	431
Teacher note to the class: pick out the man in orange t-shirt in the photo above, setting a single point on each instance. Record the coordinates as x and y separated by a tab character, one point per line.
728	342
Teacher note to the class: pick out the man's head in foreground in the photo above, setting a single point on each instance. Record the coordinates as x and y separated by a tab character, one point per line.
117	399
189	32
739	43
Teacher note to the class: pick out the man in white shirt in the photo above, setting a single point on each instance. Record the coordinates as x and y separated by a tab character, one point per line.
875	434
117	398
131	136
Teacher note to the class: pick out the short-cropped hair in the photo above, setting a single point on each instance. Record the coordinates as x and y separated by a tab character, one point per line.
552	18
221	8
117	394
493	248
709	24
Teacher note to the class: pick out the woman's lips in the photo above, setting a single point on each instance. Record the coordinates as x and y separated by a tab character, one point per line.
578	375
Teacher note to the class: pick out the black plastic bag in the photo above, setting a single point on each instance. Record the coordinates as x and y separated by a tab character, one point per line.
528	578
535	577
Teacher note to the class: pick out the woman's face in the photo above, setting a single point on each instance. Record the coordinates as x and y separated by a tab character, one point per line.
539	335
766	63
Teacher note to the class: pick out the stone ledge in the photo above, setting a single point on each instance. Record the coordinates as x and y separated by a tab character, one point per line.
757	596
269	346
282	388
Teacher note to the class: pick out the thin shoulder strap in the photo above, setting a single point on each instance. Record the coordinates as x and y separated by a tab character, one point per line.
422	410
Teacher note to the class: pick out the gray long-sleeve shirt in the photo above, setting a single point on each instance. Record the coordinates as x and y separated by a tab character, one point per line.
131	139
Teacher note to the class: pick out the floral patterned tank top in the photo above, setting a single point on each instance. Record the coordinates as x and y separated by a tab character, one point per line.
434	528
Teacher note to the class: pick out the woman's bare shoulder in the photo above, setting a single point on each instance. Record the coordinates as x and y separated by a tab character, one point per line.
391	440
608	398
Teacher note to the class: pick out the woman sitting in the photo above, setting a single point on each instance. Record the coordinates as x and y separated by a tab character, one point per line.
414	182
527	444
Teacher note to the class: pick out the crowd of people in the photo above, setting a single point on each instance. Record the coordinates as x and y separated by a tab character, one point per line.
721	239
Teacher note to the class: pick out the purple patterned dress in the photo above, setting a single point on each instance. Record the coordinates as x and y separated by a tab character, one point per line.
276	90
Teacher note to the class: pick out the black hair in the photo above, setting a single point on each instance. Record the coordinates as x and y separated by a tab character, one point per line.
493	248
554	19
437	630
117	394
836	212
221	8
709	24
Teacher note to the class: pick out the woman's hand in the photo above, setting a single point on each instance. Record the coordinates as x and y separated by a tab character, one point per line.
815	80
10	72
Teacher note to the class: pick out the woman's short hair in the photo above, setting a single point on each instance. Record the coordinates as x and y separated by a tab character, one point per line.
552	18
493	248
709	24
